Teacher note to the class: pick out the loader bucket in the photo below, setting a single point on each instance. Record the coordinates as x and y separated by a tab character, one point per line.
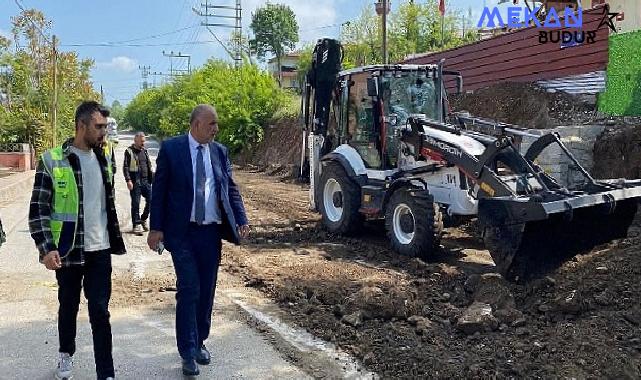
527	237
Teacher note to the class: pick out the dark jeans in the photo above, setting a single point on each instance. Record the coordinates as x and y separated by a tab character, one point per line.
95	278
140	188
196	264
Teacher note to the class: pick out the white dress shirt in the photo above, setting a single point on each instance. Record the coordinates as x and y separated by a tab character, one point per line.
212	212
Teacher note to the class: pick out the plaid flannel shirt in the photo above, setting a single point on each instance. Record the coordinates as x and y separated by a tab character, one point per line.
41	205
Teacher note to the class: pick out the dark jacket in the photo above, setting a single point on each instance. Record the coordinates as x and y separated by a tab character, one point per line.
3	236
134	176
40	211
173	194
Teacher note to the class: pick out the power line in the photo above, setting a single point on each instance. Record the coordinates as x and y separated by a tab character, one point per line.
213	11
153	36
24	11
137	45
125	42
175	71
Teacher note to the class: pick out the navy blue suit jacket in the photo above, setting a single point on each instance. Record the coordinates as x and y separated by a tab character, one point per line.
173	192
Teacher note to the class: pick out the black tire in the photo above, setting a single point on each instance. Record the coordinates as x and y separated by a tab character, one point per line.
422	218
349	200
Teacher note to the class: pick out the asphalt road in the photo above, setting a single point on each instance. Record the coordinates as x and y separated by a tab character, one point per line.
144	338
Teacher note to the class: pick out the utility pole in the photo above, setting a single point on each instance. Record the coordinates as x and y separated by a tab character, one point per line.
54	104
213	11
102	96
176	72
156	74
385	53
144	72
382	9
441	9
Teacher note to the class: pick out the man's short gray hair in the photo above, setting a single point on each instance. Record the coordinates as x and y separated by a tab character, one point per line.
140	134
199	110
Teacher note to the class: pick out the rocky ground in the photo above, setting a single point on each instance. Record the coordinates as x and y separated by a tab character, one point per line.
279	153
617	153
450	317
532	107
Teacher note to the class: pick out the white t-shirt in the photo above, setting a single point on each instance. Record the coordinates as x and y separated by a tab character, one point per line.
94	202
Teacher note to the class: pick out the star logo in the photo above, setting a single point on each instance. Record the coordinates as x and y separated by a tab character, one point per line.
608	18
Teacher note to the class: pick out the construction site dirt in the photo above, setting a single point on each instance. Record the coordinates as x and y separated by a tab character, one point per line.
450	317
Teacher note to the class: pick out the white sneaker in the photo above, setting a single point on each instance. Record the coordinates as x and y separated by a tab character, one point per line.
138	230
65	367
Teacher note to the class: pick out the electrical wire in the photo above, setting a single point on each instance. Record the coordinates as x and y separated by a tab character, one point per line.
137	45
24	11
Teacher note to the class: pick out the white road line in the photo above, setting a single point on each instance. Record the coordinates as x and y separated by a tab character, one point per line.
306	342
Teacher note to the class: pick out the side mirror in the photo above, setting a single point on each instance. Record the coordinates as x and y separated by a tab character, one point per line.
372	86
459	84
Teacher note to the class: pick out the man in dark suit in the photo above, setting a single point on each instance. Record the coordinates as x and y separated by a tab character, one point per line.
195	204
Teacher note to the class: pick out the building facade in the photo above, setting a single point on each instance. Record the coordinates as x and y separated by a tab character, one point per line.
289	70
629	19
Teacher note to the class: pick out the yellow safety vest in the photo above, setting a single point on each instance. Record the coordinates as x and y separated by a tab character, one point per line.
133	162
66	202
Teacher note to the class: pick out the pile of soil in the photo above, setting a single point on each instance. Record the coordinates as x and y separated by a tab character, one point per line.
617	153
526	105
279	151
406	318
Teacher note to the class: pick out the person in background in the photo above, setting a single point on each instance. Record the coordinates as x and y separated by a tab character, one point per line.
138	174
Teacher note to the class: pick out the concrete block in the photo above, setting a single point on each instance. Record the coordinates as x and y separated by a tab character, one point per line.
592	132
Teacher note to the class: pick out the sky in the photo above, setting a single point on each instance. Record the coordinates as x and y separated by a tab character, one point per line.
140	30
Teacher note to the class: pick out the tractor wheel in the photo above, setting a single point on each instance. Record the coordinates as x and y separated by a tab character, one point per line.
339	201
414	224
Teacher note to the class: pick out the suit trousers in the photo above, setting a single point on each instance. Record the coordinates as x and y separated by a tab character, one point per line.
196	264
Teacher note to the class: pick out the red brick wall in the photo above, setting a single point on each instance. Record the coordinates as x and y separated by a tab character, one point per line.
17	161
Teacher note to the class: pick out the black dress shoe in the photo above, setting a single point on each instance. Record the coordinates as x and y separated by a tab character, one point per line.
202	355
190	368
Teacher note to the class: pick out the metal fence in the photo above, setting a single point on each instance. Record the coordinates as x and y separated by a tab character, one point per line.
14	148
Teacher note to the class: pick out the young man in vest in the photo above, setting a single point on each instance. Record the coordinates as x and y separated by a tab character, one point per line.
137	171
73	221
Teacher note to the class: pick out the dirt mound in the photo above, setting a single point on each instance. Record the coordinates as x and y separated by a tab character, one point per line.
279	151
404	318
526	105
617	153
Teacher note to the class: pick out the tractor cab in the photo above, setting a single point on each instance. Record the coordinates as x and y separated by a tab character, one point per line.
372	105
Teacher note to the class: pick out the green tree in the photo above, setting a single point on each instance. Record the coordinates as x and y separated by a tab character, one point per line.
27	83
304	63
275	31
413	28
362	40
245	98
117	111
